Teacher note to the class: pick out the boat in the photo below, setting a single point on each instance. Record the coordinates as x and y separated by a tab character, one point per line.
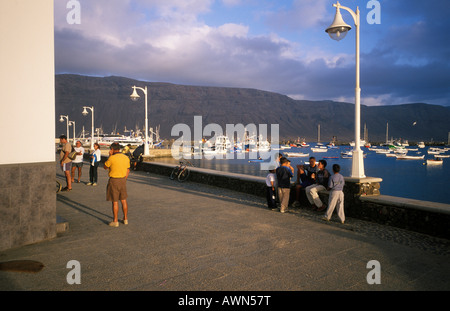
319	149
108	139
434	161
433	150
441	156
302	145
383	151
222	144
421	144
408	157
295	154
349	155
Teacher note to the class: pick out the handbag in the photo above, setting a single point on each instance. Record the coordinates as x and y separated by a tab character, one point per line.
72	155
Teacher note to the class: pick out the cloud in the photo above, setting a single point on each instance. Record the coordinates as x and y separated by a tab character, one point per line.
167	41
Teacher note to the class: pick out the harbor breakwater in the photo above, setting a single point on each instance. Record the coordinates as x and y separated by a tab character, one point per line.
363	199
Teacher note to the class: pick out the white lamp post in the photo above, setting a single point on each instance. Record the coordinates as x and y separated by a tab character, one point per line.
73	123
134	97
337	31
84	113
61	119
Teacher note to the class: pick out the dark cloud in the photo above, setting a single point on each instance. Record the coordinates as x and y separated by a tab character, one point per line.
408	61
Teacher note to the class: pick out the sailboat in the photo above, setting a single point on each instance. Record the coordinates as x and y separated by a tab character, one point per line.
318	136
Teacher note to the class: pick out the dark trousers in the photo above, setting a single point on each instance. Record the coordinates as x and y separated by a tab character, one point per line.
271	198
93	172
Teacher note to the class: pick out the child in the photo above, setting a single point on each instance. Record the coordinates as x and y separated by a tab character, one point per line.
336	199
271	185
284	174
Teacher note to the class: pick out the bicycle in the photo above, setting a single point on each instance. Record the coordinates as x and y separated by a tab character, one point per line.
181	172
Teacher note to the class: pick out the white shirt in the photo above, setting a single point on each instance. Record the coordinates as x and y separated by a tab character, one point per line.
97	157
79	158
271	177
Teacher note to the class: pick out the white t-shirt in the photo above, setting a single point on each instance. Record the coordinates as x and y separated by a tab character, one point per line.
79	158
271	177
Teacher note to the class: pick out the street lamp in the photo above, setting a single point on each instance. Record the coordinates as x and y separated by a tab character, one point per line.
134	97
84	113
73	123
61	119
337	31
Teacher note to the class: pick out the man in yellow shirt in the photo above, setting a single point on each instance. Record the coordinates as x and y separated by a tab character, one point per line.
118	165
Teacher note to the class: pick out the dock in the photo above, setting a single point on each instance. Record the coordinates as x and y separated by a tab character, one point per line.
194	237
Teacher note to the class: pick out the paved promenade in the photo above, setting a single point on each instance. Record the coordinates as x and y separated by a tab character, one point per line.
193	237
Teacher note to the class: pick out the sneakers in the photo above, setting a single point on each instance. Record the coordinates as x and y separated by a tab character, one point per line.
325	219
319	209
125	221
89	184
114	224
94	184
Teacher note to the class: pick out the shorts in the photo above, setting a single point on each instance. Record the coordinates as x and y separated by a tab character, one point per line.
66	167
116	189
77	164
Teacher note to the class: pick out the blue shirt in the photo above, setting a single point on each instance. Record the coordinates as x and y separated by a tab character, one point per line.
336	182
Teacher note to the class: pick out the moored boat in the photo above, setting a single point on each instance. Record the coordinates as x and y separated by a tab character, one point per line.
295	154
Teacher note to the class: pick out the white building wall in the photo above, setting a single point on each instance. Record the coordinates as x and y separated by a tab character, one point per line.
27	81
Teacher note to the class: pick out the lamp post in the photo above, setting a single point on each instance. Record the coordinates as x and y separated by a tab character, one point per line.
61	119
337	31
73	123
134	97
84	113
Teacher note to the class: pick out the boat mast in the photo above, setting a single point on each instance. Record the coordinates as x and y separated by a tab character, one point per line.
387	125
318	133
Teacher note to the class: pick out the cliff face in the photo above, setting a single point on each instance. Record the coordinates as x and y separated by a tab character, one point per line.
169	104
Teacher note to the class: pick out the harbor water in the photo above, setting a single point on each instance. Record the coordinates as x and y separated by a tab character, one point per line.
407	178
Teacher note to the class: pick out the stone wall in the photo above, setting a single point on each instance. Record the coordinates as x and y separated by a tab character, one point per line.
27	204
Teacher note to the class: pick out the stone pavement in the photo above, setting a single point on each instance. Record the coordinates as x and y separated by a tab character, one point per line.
193	237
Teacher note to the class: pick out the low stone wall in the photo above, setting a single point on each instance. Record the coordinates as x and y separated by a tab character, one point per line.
362	199
27	204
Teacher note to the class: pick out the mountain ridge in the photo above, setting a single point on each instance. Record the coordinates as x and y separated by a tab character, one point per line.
170	104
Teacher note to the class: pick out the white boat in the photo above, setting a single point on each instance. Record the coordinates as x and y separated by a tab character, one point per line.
263	145
407	157
434	161
441	156
319	149
433	150
383	151
108	139
222	144
295	154
349	155
421	144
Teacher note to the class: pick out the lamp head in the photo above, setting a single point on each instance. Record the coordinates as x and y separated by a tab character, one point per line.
338	29
61	119
134	96
84	113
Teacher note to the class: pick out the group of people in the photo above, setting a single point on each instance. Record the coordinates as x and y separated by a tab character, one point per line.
312	178
118	166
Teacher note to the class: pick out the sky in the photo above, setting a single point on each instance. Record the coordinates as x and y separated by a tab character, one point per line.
273	45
